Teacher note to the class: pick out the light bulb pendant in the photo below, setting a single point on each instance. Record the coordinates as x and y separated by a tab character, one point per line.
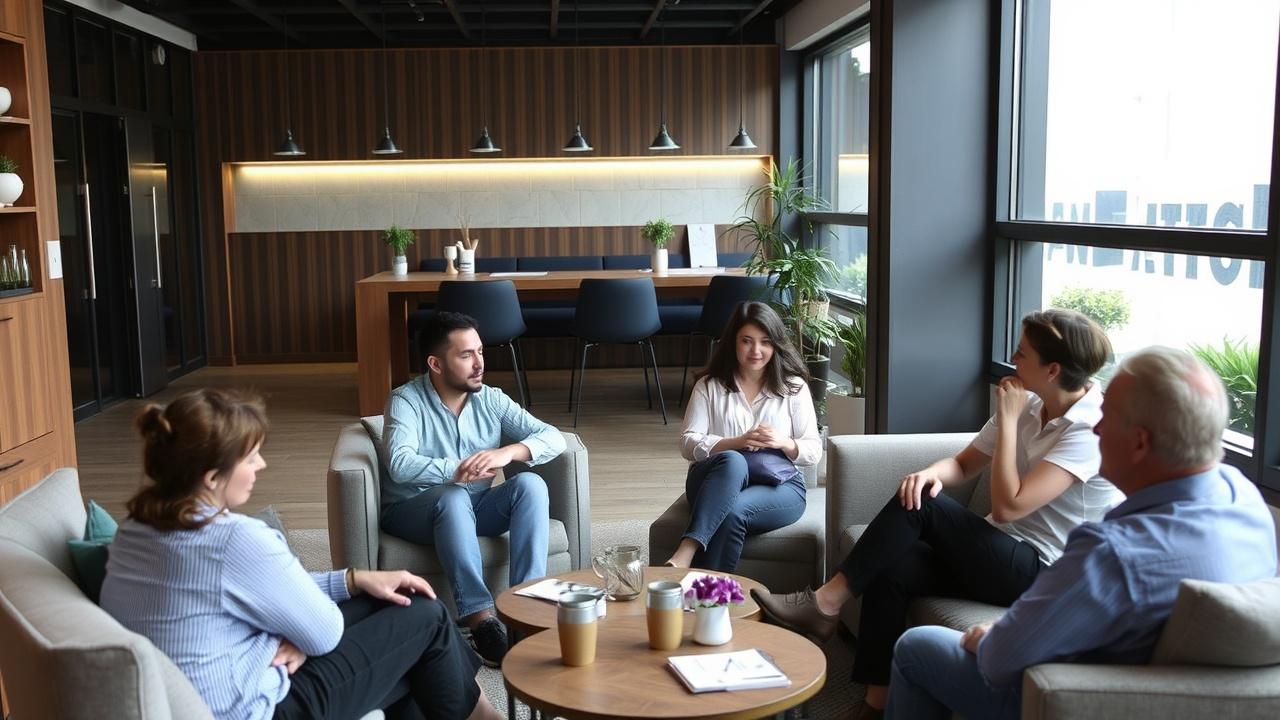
386	146
577	143
663	140
288	147
742	141
485	144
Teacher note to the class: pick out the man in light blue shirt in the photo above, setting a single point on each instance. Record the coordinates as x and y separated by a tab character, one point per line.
1107	598
443	443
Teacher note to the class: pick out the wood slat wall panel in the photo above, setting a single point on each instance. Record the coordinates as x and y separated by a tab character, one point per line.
336	98
293	299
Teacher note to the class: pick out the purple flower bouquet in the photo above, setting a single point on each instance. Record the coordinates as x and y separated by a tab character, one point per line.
712	591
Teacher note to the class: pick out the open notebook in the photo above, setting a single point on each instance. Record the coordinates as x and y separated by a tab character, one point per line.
741	670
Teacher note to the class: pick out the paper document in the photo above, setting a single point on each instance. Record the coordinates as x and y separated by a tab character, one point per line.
695	271
526	273
742	670
702	245
551	589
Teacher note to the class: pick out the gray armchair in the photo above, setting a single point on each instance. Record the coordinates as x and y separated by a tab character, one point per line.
864	471
356	539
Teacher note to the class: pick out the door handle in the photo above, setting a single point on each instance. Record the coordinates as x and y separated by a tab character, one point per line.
88	234
155	227
13	464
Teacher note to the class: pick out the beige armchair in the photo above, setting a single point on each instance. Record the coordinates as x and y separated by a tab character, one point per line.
356	539
864	471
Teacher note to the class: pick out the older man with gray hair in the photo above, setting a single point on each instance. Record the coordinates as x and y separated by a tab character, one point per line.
1106	599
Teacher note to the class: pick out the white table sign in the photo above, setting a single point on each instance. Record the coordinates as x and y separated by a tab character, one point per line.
702	245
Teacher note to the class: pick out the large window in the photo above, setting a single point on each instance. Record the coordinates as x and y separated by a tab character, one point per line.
1148	113
1140	179
838	85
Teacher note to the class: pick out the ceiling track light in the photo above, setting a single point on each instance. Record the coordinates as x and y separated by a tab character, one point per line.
288	147
485	144
385	145
663	140
577	143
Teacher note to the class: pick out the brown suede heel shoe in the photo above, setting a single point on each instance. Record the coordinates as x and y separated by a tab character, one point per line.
799	613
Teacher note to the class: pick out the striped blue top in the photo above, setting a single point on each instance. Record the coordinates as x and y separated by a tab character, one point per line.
217	601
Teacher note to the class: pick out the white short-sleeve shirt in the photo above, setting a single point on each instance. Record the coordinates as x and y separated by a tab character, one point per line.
714	413
1069	443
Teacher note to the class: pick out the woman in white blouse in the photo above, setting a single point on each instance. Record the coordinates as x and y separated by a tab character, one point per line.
1043	459
749	423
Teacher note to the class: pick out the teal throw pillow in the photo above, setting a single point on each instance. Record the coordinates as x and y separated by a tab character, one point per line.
89	556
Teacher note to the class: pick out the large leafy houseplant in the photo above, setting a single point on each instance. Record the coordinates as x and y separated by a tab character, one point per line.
798	275
1236	362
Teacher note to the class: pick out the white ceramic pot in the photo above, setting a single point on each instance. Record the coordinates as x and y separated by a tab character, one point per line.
467	262
6	100
711	625
846	415
10	189
400	266
659	261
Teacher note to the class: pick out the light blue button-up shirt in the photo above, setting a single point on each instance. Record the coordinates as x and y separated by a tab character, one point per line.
424	442
1107	598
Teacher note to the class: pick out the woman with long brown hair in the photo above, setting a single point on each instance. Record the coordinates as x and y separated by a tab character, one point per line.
221	594
750	422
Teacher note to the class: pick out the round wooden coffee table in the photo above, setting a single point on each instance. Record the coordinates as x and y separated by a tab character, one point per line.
528	615
629	680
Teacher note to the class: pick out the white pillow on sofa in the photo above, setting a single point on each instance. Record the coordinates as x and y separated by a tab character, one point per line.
1222	624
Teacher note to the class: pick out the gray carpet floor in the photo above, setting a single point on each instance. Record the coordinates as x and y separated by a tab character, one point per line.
836	700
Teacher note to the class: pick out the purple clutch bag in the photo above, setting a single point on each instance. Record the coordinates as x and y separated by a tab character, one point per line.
769	466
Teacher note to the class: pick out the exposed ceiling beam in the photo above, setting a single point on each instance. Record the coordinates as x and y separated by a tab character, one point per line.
653	16
748	17
452	6
555	18
364	19
253	8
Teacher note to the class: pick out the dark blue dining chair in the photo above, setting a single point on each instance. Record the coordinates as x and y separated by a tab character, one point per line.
496	309
418	318
621	312
724	294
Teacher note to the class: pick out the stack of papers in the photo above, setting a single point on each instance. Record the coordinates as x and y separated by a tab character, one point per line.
742	670
551	589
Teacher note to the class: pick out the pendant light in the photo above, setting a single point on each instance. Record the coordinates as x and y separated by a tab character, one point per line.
385	146
485	144
663	140
288	147
577	143
741	141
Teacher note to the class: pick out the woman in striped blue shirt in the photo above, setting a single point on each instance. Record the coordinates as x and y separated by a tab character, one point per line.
221	594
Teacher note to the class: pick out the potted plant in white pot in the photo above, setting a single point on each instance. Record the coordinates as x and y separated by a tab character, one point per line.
399	239
798	275
658	232
846	404
10	183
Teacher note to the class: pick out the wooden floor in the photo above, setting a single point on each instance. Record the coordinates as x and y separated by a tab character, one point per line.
635	463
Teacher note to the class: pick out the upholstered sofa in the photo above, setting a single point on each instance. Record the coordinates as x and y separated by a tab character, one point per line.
60	654
783	560
356	538
863	471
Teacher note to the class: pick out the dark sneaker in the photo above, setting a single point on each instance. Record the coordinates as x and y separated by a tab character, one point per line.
490	641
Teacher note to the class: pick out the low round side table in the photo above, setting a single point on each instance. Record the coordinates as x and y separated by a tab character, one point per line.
629	680
526	615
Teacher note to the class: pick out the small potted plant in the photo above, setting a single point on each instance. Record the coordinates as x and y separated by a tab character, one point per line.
658	232
10	183
846	404
711	597
399	239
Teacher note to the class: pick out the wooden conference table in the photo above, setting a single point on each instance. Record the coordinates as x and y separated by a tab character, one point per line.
382	313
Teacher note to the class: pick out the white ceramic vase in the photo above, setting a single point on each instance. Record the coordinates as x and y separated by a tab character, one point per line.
10	189
711	625
467	262
659	261
6	100
400	266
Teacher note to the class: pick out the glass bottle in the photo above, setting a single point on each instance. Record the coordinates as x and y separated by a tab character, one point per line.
4	273
25	275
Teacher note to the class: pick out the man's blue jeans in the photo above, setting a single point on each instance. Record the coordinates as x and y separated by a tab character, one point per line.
726	508
933	677
450	517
